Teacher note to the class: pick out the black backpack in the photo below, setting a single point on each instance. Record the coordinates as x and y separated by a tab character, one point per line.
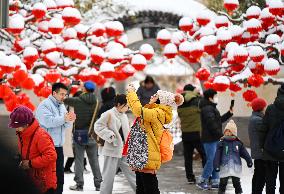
274	142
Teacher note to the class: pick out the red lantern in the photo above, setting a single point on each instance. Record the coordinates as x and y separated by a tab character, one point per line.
221	83
69	33
39	10
45	91
210	44
5	91
235	87
147	51
107	70
71	16
138	62
236	32
184	49
240	54
221	21
20	75
28	84
266	17
16	24
30	55
7	64
114	28
164	37
52	59
81	31
276	7
170	51
55	26
70	48
208	84
97	55
186	24
202	74
253	26
255	80
115	55
97	29
256	54
196	50
52	76
271	66
249	95
237	67
203	18
83	52
253	12
231	5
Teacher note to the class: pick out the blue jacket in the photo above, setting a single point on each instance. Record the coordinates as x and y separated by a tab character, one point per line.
51	116
228	157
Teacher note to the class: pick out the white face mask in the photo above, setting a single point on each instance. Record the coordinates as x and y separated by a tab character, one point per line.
215	100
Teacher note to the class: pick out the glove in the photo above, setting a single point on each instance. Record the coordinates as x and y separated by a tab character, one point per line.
217	169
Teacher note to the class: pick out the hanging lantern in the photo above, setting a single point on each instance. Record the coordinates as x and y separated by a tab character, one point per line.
224	37
253	26
6	64
202	74
236	32
115	55
256	53
30	55
28	84
271	66
107	69
253	12
255	80
20	75
129	70
170	51
48	46
52	76
97	55
50	4
231	5
69	33
45	91
266	17
249	95
55	26
210	44
5	90
114	28
123	40
119	75
221	21
186	24
147	51
235	87
276	7
39	10
138	62
16	24
237	67
70	48
43	26
196	50
97	29
273	39
203	18
240	54
164	37
221	83
81	31
52	59
83	52
71	16
61	4
209	84
184	49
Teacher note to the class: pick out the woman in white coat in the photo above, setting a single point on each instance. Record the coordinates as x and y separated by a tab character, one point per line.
113	127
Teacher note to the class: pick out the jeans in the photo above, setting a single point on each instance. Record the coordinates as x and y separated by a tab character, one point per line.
59	170
258	179
271	168
236	183
146	183
210	150
92	153
189	147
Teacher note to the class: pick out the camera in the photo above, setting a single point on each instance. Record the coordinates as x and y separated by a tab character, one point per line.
75	82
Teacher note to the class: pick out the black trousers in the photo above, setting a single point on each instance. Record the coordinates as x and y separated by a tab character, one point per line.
236	183
59	170
70	161
189	145
271	168
258	179
146	183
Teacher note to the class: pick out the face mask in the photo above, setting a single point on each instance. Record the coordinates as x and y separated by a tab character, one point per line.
215	100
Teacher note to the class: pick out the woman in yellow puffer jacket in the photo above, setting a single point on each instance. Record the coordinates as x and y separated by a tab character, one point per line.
155	114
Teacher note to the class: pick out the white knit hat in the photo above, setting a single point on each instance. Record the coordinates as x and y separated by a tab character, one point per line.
170	99
231	125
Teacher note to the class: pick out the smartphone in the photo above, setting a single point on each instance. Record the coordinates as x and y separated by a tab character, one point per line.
232	104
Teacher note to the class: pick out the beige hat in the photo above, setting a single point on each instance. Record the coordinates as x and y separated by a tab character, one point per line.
231	125
170	99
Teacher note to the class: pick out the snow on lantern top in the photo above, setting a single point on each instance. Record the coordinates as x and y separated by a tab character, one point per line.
16	21
64	3
30	51
186	24
48	45
138	59
170	48
56	23
106	67
146	48
272	39
221	21
236	30
255	51
271	64
253	12
50	4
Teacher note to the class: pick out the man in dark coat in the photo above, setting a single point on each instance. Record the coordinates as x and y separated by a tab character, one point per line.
273	117
189	114
84	107
255	124
211	122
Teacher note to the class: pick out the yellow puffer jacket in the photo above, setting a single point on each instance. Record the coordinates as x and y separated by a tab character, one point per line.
154	116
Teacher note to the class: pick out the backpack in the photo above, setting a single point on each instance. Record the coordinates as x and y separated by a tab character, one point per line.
166	146
274	142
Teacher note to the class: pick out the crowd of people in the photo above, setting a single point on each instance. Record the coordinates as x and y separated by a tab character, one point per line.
103	128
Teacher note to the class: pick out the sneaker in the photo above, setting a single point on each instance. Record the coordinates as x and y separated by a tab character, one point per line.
215	186
86	171
191	179
68	171
76	188
203	186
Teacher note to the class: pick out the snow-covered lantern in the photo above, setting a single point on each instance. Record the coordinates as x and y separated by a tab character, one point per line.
129	70
48	46
39	10
231	5
196	49
115	55
30	55
55	26
229	47
107	69
6	64
71	16
203	18
61	4
52	76
256	53
69	33
97	29
236	32
70	48
221	21
255	80
178	37
28	84
240	54
271	66
81	31
21	44
266	17
43	26
246	37
205	31
184	49
164	37
97	55
224	37
276	7
147	51
221	83
235	87
52	58
202	74
272	39
186	24
50	4
210	44
114	28
83	52
253	12
253	26
249	95
16	24
119	75
123	40
170	51
138	62
17	62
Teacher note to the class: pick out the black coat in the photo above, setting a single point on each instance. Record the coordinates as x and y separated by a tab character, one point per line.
211	121
273	116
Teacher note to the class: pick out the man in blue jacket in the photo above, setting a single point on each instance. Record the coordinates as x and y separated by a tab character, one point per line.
54	118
